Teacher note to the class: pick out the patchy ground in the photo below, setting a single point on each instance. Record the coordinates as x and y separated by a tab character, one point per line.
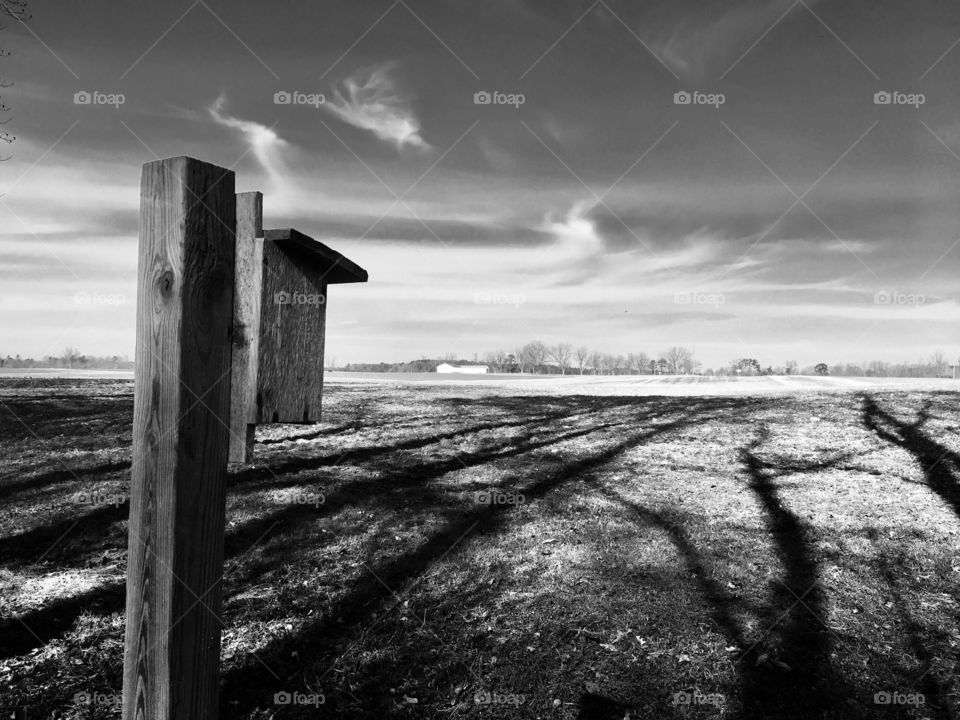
485	550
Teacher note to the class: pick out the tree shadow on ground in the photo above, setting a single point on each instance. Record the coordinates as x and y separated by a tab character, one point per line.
812	687
65	542
794	631
38	627
926	682
940	464
320	642
64	475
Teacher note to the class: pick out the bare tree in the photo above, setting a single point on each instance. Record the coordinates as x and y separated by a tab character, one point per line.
596	362
938	361
679	360
638	362
70	356
496	359
537	354
16	10
523	362
609	363
562	352
582	354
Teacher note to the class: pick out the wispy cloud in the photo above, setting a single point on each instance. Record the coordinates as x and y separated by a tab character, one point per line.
264	142
577	229
693	43
371	100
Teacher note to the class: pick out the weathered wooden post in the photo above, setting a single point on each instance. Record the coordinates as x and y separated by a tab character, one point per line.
180	439
248	283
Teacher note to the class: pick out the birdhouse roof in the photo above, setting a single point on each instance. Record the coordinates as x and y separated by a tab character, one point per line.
331	265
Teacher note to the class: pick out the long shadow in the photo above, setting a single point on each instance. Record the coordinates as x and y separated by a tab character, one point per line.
941	465
416	477
322	432
81	532
246	685
794	629
811	688
364	453
31	544
54	619
933	690
36	628
597	707
722	603
59	476
62	540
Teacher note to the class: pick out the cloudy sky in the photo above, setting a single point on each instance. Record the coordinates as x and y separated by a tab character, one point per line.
783	213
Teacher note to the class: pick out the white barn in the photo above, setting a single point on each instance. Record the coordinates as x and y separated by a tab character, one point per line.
464	369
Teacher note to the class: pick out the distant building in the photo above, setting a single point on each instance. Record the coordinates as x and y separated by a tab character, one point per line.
463	369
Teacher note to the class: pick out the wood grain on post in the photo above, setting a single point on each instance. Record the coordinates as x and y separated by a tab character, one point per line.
297	272
246	325
180	441
290	380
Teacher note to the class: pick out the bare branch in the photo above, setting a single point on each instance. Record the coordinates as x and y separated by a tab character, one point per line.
16	9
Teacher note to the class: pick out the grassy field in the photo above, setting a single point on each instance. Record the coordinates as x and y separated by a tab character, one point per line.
482	549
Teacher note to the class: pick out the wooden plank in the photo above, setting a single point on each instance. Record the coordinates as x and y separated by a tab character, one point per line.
248	288
180	441
292	324
334	267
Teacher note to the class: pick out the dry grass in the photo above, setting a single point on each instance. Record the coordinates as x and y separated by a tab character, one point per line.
762	557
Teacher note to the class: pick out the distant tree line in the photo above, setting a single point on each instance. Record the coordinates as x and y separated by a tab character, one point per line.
563	359
414	366
70	358
934	366
566	359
